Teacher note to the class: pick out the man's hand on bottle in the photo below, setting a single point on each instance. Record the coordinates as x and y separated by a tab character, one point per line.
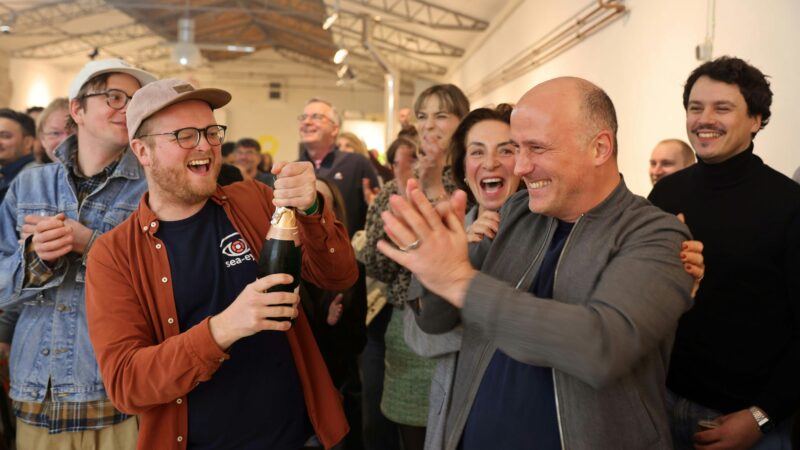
255	310
295	185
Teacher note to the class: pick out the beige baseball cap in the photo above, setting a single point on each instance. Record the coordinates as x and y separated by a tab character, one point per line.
158	95
94	68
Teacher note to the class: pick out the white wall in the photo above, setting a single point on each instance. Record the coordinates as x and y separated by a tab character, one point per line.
643	59
37	82
250	114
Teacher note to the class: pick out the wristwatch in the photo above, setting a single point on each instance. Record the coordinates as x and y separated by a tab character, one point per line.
764	424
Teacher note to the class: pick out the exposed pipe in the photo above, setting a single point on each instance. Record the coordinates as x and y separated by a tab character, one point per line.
704	51
586	22
391	80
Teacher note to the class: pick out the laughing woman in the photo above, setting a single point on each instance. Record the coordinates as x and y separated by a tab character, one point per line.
407	376
483	165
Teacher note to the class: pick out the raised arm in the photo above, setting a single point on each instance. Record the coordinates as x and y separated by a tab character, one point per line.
328	258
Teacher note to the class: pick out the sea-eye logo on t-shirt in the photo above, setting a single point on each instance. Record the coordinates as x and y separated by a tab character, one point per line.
235	249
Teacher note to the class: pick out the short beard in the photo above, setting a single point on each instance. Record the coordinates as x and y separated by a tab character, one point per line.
169	183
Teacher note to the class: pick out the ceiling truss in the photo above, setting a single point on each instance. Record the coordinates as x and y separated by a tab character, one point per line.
56	13
290	27
395	37
85	42
425	13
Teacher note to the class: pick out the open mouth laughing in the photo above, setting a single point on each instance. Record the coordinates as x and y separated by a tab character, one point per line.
537	184
199	166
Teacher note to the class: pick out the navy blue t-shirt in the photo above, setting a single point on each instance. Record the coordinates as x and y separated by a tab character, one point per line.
255	399
515	406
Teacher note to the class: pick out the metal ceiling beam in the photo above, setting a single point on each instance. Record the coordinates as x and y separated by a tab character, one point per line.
400	59
348	22
149	54
302	37
366	75
425	13
294	8
301	58
76	43
56	13
398	38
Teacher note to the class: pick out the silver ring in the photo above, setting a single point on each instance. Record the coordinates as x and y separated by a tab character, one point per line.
411	246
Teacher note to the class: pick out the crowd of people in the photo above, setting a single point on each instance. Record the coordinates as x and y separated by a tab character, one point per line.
494	285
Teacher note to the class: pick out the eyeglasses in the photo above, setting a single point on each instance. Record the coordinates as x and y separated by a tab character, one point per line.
189	137
115	98
55	134
316	117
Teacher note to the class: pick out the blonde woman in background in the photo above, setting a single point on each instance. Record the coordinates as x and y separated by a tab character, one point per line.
350	143
407	376
51	128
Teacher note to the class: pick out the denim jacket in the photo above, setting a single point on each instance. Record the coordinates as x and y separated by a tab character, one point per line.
51	340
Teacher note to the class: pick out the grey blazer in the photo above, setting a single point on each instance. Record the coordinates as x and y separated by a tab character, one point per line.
619	291
444	347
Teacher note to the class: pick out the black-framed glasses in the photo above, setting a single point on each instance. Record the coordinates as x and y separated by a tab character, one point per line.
189	137
115	98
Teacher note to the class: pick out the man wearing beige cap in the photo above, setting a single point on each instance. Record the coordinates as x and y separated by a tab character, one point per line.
50	218
185	334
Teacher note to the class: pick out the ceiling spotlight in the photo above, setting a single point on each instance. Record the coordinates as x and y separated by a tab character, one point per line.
345	73
7	26
185	51
340	55
186	54
240	48
330	20
333	17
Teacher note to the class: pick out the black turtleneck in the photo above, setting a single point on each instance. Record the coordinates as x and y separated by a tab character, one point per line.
740	344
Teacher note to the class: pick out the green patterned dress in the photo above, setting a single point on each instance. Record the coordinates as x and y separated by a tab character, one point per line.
407	379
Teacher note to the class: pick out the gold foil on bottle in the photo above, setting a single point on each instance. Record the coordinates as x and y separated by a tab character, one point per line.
284	225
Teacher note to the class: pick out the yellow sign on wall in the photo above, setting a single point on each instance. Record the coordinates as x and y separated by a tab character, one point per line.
269	143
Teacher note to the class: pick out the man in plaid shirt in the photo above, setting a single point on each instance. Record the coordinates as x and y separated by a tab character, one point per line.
49	220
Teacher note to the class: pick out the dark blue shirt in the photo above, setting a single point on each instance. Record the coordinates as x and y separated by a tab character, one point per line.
255	399
346	171
515	406
10	171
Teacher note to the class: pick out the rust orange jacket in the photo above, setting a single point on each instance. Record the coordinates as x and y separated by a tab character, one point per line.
148	366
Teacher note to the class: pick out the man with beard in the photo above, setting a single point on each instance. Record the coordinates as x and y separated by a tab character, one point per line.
737	352
184	337
50	218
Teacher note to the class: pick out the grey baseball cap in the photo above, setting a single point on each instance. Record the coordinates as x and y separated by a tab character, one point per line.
157	95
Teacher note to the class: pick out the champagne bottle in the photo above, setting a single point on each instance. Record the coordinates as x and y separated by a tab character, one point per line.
281	251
